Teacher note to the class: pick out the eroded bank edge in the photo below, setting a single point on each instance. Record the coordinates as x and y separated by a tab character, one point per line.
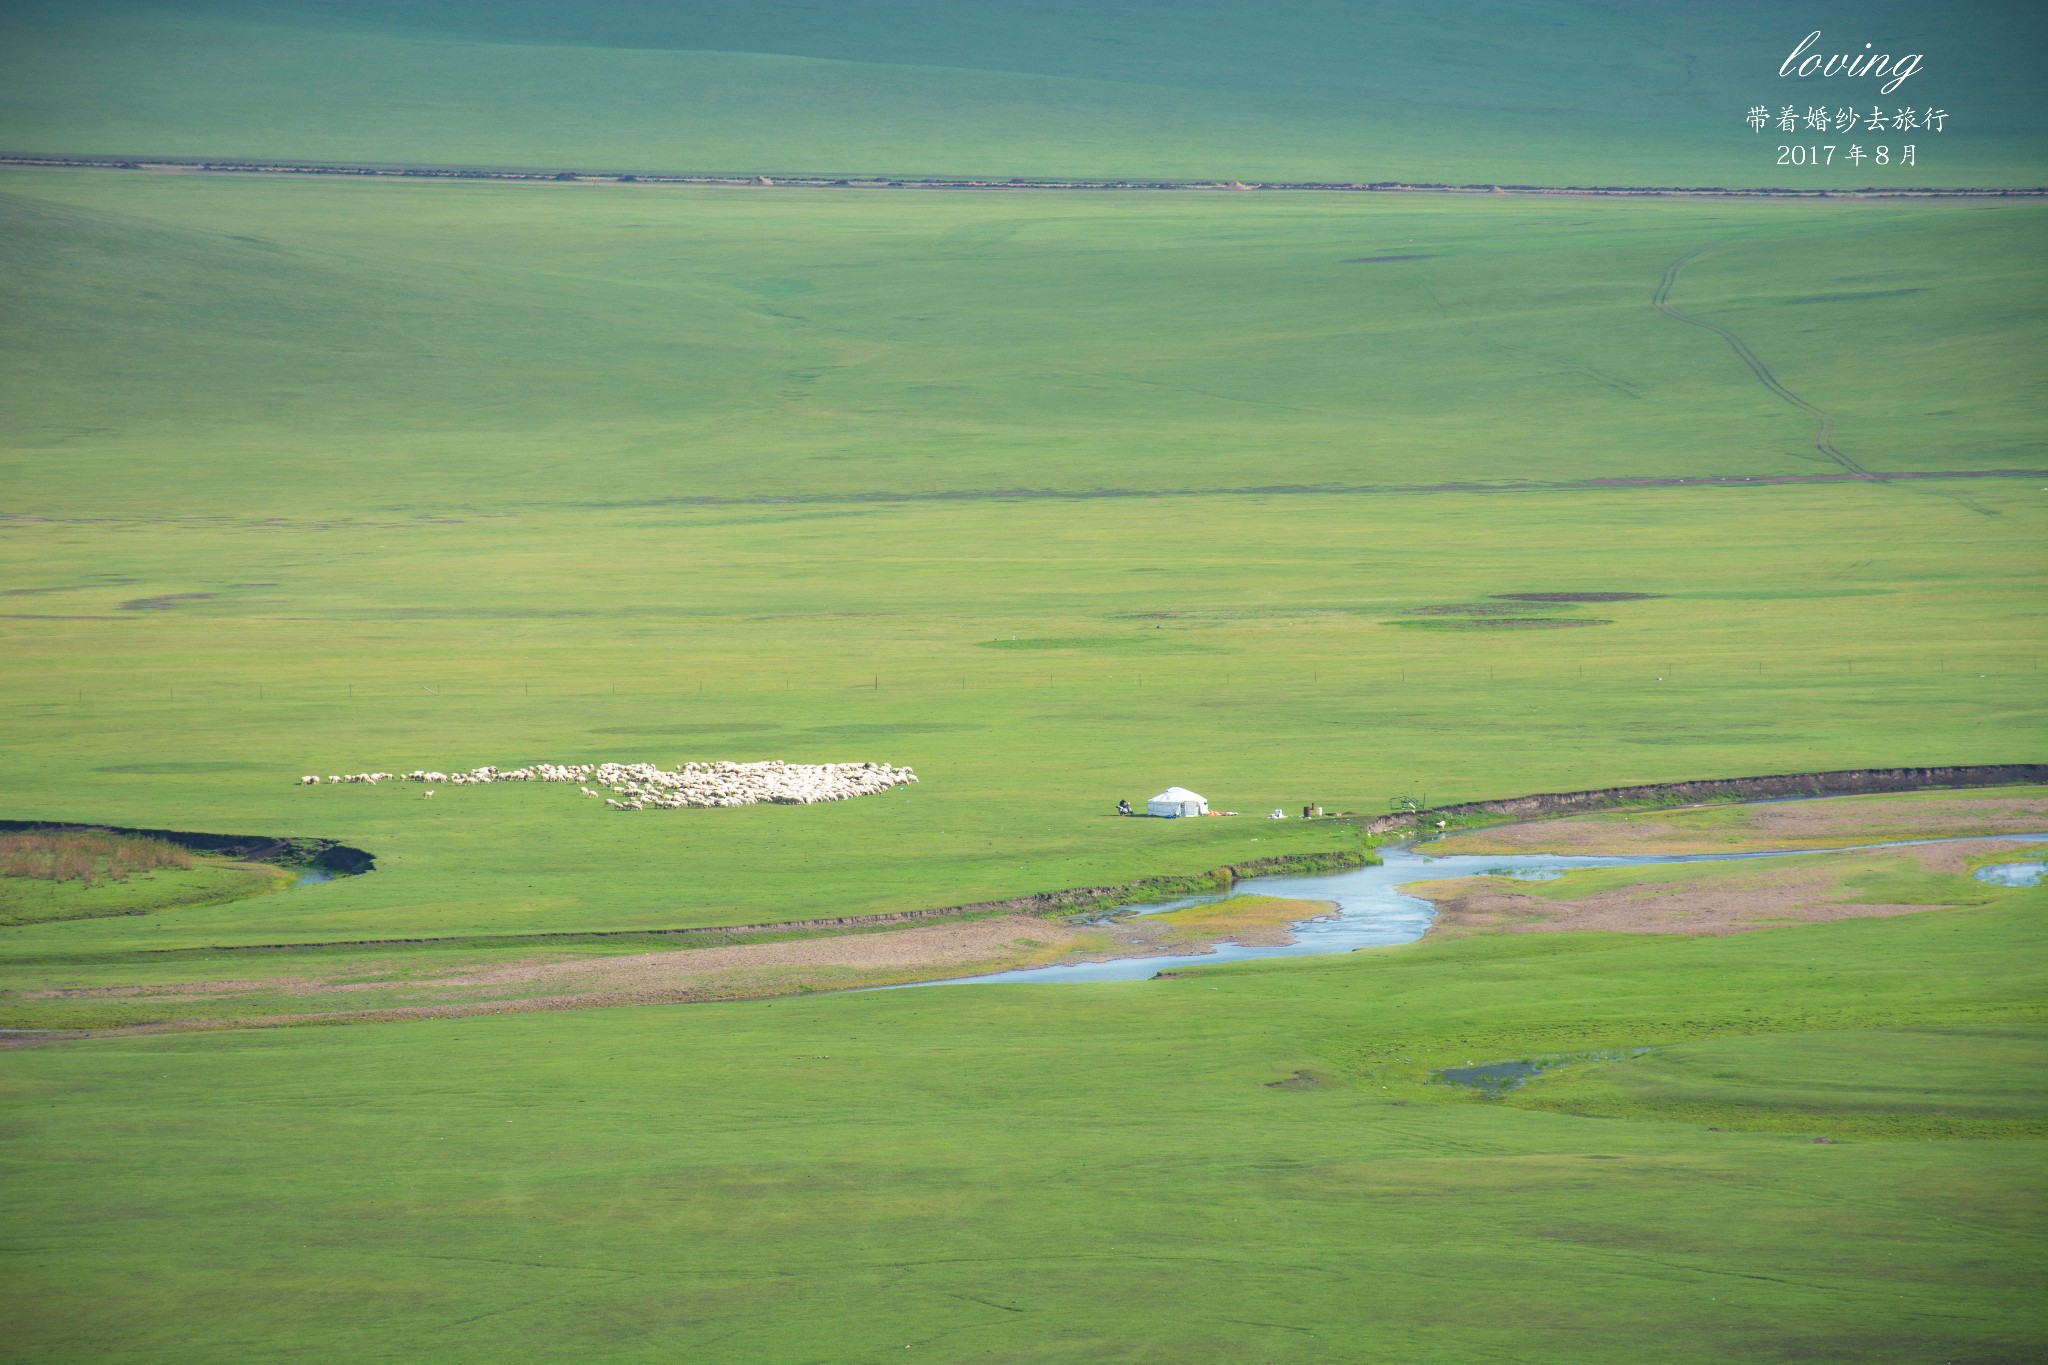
329	855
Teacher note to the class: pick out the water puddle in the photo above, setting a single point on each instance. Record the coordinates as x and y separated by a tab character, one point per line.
2013	874
1498	1078
1371	912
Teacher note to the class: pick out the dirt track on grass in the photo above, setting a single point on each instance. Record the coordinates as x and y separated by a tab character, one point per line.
911	953
884	497
1824	421
1616	483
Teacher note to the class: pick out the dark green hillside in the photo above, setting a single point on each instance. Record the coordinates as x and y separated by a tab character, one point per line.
446	344
1571	91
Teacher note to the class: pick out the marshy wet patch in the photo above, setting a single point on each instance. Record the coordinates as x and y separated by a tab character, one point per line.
287	851
1477	609
1851	296
1493	1079
1500	613
1576	596
1288	915
169	601
1300	1080
1499	622
54	875
2020	874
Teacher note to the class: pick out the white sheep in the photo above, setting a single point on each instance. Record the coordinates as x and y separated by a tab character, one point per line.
701	785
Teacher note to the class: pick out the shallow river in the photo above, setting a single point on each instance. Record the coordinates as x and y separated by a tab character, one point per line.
1370	912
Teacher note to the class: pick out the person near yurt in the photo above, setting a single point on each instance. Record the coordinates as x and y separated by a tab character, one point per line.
1175	802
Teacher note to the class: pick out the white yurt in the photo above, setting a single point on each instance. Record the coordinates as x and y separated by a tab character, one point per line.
1176	801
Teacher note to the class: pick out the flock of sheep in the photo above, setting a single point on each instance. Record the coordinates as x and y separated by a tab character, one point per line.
636	786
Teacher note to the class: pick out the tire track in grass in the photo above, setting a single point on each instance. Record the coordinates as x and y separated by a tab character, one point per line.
1824	421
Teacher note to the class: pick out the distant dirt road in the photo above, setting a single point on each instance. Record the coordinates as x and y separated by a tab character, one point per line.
780	180
1824	421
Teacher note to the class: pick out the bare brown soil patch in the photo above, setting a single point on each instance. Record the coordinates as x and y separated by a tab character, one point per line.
1965	854
1300	1080
929	950
1253	921
173	991
1493	608
925	949
387	990
1484	905
1718	899
1765	826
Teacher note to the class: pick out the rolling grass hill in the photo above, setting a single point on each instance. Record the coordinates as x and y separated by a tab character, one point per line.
1565	91
311	477
1040	1173
1802	629
406	348
1058	498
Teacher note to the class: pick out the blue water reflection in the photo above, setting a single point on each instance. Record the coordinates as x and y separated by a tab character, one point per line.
1371	912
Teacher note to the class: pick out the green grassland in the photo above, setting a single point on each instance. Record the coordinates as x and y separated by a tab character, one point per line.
802	657
315	477
25	900
1554	92
195	978
318	478
1084	1172
320	351
1868	1083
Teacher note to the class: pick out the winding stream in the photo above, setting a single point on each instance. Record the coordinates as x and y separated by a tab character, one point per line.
1371	912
